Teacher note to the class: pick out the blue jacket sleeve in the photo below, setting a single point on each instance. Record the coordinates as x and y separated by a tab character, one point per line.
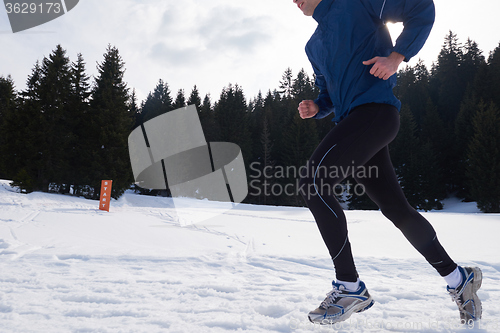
417	17
323	101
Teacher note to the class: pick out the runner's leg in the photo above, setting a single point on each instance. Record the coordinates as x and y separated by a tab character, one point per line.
383	188
353	142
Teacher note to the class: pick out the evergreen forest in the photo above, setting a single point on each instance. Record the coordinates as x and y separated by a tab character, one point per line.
67	131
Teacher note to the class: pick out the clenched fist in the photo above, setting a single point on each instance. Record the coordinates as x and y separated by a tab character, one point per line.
308	109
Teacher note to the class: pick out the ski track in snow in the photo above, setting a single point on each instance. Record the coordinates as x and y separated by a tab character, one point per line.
67	267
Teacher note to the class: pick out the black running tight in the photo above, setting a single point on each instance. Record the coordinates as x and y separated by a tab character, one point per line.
361	140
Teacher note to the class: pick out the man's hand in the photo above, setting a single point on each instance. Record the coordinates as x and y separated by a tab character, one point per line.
385	67
308	109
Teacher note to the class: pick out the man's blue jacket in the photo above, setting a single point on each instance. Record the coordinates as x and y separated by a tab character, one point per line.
352	31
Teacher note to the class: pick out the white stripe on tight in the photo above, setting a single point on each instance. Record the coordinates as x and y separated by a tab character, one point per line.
314	181
345	242
316	188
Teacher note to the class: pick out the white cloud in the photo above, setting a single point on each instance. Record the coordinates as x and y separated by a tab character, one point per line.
218	32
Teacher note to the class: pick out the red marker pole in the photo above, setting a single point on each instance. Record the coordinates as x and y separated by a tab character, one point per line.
105	195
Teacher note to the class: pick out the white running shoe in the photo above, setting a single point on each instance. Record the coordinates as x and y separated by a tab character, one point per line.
340	303
465	295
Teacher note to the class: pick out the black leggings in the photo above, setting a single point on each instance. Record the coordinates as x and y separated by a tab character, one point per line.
358	146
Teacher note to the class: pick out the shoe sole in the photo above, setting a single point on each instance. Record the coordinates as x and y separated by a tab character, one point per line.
476	284
364	306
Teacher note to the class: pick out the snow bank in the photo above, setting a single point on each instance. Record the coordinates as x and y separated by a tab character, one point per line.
65	266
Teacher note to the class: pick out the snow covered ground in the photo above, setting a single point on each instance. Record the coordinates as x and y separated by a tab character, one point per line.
67	267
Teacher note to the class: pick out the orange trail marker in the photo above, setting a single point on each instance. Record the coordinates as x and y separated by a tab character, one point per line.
105	195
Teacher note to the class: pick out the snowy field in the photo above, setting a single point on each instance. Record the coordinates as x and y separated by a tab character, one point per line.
67	267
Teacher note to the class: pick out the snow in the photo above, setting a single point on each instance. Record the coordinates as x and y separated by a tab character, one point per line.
65	266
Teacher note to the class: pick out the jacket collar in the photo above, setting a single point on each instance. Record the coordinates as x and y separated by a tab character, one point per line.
322	10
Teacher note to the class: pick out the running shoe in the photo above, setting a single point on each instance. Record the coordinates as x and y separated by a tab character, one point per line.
340	303
465	295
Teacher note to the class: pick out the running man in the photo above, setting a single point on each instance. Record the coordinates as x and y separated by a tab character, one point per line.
355	63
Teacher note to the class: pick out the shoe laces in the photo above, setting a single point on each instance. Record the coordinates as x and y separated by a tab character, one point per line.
330	297
455	297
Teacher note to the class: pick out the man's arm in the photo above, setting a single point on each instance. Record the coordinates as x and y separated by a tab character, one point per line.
324	102
321	106
417	17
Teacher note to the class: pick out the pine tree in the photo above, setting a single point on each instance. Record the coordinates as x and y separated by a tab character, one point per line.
433	162
286	83
413	90
279	119
302	87
111	126
464	132
471	61
180	100
484	159
300	141
472	69
158	102
8	106
47	133
406	79
448	86
135	110
55	92
23	135
256	115
80	81
78	111
207	119
494	76
233	120
430	184
446	78
483	85
267	164
194	98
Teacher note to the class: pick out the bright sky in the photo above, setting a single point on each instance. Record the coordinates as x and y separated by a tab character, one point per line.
208	43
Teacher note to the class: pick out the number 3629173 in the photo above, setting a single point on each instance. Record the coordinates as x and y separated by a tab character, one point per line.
33	8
